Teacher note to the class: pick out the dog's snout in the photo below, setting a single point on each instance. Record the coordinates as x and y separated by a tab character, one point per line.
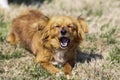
63	31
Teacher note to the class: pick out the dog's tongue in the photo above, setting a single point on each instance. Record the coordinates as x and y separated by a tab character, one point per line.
64	42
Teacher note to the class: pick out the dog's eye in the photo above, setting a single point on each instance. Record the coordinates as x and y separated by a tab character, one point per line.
69	26
57	26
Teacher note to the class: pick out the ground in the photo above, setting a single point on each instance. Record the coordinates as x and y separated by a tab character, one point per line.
99	53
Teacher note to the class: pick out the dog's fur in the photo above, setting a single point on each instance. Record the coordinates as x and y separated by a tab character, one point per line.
24	27
54	41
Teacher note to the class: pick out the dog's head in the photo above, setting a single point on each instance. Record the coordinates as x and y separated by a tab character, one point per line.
64	32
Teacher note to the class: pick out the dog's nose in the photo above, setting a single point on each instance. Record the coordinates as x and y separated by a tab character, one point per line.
63	31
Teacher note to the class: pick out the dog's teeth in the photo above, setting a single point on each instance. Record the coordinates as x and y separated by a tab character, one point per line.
64	44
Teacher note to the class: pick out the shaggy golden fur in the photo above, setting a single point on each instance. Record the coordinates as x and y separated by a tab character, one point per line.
24	27
54	41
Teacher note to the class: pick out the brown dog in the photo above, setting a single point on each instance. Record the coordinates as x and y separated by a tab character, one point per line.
60	40
54	42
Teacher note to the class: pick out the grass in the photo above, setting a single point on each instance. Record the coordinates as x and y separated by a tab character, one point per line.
114	55
16	54
35	72
109	36
3	30
99	57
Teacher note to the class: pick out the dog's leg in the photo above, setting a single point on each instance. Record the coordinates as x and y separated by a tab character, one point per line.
50	67
68	67
44	61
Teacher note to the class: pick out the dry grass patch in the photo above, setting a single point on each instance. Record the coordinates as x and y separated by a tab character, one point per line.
98	57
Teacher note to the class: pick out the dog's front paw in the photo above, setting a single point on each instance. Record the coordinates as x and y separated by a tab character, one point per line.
54	70
59	73
67	69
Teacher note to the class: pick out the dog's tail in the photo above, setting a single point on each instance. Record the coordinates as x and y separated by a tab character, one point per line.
10	38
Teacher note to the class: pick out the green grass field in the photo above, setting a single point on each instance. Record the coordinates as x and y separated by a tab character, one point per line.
99	54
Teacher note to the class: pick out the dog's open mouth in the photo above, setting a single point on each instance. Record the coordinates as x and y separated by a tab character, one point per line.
64	42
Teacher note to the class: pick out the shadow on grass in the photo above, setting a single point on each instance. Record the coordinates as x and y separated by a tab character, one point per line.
85	57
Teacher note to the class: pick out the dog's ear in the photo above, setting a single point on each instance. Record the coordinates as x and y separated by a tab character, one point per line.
46	36
82	28
80	32
83	24
45	33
